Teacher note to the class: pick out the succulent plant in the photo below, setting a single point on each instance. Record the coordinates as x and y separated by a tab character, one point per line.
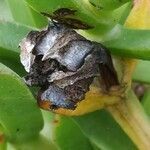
83	61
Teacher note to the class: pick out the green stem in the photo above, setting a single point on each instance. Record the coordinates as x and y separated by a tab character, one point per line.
133	120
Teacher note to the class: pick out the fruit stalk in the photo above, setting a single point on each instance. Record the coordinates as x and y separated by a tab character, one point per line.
130	115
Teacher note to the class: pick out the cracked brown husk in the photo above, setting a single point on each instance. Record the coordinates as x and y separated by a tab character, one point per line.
64	64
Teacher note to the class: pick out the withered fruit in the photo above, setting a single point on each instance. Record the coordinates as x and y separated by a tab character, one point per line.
64	64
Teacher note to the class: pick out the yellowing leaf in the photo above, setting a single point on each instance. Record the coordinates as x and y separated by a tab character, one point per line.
139	16
138	19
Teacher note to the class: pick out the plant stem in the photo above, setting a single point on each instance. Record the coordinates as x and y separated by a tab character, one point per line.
131	117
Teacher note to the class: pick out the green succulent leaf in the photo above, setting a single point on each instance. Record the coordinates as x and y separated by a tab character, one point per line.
10	37
68	135
5	13
107	4
35	144
129	42
20	116
142	72
25	14
103	131
96	130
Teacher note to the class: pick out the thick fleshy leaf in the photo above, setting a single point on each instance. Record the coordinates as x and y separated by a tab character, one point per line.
20	116
25	15
5	13
129	42
138	18
92	131
40	143
103	131
108	4
68	135
43	141
142	72
10	37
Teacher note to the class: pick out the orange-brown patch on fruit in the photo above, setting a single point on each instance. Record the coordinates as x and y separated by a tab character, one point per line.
94	100
44	104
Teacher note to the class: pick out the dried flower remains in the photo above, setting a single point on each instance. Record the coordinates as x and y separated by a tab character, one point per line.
64	64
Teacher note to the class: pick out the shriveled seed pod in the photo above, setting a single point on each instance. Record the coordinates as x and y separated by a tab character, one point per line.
64	64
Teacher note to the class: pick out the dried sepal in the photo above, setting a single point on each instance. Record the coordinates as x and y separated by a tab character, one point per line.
65	16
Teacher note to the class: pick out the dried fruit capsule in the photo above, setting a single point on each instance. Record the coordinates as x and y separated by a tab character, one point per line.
64	64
